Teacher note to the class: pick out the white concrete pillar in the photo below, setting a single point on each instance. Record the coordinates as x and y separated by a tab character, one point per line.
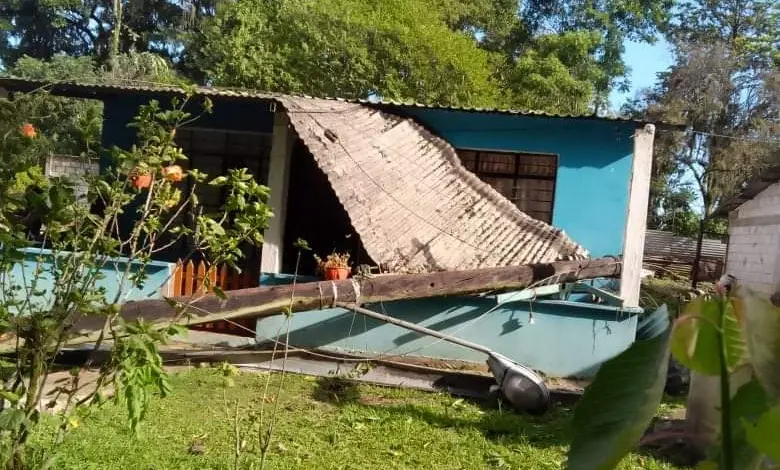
636	221
278	181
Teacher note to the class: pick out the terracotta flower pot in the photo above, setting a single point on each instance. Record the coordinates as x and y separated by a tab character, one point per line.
336	274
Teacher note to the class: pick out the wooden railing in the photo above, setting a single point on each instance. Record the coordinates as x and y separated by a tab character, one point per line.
190	279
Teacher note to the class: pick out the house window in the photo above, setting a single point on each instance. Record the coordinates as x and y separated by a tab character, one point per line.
528	180
214	152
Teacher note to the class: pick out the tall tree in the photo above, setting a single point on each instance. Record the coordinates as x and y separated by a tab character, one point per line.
609	22
396	48
554	55
724	87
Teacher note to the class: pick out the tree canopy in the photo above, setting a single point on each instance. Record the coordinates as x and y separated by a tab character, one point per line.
724	87
561	56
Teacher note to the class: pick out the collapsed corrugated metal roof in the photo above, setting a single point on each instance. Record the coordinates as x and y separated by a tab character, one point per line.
409	198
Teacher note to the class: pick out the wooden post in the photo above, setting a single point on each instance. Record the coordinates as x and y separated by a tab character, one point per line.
278	181
636	223
262	301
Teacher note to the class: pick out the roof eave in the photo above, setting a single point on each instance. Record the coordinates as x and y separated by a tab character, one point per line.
100	91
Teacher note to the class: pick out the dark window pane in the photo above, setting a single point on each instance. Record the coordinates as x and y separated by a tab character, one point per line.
497	163
529	182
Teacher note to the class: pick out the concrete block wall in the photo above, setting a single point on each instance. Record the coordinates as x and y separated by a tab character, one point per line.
73	168
754	242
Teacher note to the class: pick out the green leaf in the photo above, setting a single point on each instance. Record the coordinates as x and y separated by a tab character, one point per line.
765	435
762	332
302	245
218	181
11	419
219	292
747	406
618	406
695	335
10	396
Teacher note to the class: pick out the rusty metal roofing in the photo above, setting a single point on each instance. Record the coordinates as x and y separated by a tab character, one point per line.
751	189
409	198
100	90
662	244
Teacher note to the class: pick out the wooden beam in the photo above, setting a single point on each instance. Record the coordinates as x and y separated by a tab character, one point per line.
636	223
272	300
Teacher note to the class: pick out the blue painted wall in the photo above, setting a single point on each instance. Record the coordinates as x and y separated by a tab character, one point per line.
591	190
157	275
566	339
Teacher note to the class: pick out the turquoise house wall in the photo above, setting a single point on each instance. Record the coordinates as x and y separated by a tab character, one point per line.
591	188
566	339
41	260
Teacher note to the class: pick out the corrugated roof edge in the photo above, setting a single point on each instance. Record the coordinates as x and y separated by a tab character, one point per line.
98	90
751	189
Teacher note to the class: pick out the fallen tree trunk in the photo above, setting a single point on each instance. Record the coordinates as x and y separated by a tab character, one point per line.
273	300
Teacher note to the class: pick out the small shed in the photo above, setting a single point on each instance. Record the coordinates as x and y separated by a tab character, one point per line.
754	233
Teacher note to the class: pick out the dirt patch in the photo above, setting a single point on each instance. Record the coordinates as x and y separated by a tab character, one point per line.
379	401
667	439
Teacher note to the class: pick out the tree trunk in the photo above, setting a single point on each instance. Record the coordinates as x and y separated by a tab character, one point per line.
264	301
697	257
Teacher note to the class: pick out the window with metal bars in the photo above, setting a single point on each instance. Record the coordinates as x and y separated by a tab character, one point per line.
215	151
526	179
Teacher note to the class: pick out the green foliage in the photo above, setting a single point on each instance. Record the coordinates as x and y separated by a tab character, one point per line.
138	368
763	436
557	56
618	406
397	48
747	406
708	339
372	428
611	21
698	332
557	74
761	322
84	243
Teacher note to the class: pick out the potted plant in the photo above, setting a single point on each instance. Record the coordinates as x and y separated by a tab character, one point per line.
335	266
141	178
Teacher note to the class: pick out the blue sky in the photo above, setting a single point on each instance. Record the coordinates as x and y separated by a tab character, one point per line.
645	61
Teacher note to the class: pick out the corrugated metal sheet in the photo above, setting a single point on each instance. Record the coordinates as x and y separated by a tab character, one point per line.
410	199
102	90
751	189
661	244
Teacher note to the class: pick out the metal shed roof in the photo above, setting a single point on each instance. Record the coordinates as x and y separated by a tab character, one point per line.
101	90
751	189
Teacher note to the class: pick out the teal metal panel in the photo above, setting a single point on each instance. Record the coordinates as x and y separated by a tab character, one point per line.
591	190
110	276
565	339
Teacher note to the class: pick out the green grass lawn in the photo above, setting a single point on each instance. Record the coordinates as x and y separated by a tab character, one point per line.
366	427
